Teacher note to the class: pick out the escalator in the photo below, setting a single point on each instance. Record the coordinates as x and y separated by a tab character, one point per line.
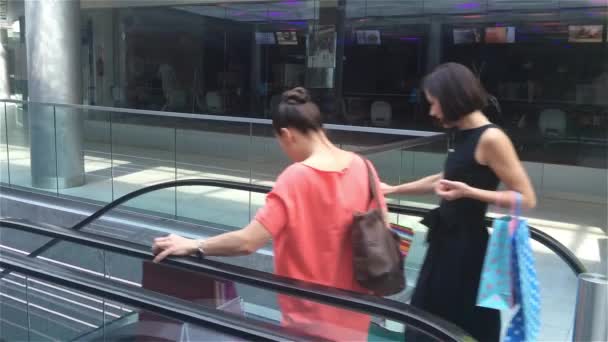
45	298
147	314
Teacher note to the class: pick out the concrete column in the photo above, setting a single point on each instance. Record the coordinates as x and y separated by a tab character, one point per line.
4	81
54	75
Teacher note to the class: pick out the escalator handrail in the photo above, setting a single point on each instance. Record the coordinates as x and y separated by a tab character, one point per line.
562	251
165	305
323	295
536	234
401	312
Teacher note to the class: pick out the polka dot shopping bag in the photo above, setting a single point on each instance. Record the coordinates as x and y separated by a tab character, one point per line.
509	279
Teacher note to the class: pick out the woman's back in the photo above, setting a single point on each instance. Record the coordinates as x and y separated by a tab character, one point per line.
309	213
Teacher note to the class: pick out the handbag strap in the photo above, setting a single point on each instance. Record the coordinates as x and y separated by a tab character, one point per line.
372	184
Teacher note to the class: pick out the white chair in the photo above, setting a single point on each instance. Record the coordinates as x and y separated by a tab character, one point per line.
552	122
381	113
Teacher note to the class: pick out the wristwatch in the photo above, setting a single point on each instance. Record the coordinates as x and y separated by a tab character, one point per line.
200	252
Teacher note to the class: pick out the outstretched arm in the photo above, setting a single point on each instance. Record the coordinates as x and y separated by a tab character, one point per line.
422	186
241	242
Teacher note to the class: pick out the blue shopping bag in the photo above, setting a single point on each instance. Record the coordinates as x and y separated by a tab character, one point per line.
525	325
495	286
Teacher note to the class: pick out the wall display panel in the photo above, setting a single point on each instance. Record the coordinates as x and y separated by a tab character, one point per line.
225	57
585	33
466	35
500	35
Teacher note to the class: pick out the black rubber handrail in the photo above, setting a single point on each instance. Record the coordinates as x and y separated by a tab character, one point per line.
258	279
401	312
169	306
536	234
562	251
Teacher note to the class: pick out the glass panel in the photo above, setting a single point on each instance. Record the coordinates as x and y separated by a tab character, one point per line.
267	162
61	313
422	161
558	286
4	165
144	149
98	157
214	150
25	157
20	242
14	311
76	256
117	320
72	314
146	325
34	310
125	269
263	305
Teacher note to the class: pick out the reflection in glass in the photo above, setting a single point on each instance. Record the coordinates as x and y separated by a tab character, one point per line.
237	58
214	150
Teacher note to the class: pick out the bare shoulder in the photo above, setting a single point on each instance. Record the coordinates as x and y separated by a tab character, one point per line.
494	138
492	143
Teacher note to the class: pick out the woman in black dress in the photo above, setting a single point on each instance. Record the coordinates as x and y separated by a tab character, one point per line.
480	157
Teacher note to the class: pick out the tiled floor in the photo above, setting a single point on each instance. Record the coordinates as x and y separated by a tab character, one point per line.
578	225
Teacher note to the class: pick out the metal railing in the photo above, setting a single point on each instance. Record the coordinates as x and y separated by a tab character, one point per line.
123	141
171	307
536	234
243	275
400	312
226	118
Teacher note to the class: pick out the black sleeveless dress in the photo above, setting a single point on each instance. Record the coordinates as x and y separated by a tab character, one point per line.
457	239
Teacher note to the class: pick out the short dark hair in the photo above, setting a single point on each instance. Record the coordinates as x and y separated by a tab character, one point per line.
297	110
457	89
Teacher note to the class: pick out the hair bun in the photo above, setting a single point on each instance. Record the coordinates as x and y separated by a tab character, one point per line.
296	96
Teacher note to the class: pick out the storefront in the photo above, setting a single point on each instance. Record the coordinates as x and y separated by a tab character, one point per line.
545	62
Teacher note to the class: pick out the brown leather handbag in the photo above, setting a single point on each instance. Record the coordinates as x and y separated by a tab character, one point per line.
378	262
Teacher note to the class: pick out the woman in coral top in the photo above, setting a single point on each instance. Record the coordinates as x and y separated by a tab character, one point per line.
307	215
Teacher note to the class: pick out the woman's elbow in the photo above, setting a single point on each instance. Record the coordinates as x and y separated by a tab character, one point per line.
248	246
248	249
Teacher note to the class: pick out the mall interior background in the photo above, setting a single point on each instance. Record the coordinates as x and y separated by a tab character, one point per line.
363	59
545	61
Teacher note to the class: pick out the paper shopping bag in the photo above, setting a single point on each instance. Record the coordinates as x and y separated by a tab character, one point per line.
406	235
525	325
495	286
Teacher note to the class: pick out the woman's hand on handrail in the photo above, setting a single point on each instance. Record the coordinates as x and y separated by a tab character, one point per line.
173	244
240	242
